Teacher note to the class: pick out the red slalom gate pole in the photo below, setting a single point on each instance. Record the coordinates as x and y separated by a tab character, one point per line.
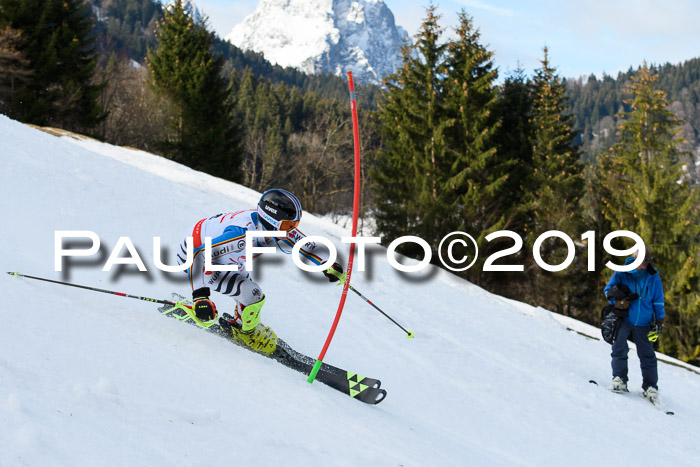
355	212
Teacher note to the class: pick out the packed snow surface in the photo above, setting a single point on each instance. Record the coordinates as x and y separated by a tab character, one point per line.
95	379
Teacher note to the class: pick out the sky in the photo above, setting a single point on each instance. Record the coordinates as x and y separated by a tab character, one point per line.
583	37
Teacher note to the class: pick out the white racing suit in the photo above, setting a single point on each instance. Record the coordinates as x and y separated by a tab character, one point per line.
227	232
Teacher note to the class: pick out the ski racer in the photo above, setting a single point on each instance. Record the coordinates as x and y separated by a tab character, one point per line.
277	210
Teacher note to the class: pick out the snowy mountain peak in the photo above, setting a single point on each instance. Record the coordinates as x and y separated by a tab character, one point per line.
191	10
325	36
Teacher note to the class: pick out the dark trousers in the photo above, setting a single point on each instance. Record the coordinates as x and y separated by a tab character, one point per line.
645	352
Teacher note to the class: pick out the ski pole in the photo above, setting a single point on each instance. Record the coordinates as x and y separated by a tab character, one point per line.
341	278
94	289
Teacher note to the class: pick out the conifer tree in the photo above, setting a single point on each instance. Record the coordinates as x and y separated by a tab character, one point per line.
478	193
245	98
647	192
411	173
14	67
514	136
556	177
513	139
557	183
184	71
479	171
56	40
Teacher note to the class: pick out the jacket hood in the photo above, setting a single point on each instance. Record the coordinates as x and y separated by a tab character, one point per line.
650	267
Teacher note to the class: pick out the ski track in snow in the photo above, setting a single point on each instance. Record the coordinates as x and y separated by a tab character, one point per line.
95	379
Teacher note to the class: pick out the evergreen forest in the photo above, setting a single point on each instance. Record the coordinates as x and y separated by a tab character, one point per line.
448	143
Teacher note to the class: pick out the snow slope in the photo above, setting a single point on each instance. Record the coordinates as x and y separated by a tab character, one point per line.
95	379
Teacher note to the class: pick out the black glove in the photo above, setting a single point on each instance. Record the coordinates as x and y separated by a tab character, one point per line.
331	277
622	295
655	330
618	291
204	309
659	325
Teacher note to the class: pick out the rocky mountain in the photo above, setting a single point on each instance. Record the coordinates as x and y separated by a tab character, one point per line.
325	36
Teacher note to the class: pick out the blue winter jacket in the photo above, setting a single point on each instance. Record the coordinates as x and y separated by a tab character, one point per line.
646	284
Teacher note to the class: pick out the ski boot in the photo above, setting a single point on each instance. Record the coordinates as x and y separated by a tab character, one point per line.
251	332
618	385
652	395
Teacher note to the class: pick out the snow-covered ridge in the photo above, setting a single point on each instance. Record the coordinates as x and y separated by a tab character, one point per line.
95	379
324	36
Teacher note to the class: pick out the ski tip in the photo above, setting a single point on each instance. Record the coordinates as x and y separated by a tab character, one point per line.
13	274
410	335
373	397
592	381
380	397
668	412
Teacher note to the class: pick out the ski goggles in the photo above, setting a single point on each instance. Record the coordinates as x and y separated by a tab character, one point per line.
287	225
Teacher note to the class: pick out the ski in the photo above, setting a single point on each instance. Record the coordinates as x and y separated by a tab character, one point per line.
657	405
358	387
